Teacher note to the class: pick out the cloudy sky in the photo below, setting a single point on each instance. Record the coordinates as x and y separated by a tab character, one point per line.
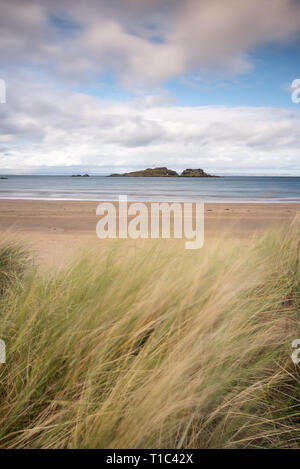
113	85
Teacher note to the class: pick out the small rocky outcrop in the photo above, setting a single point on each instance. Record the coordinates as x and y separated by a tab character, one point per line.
80	175
195	173
149	172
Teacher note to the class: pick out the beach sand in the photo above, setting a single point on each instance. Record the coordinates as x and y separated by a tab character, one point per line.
54	230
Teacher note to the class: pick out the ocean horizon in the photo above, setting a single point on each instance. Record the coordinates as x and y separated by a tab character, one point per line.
233	189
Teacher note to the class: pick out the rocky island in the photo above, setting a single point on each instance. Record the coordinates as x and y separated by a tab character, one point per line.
80	176
149	172
195	173
164	172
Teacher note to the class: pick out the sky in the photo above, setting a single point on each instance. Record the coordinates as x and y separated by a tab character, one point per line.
109	86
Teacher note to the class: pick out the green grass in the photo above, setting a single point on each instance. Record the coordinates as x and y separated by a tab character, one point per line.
146	345
13	262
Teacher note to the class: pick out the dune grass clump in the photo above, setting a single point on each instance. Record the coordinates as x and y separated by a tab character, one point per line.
13	263
143	344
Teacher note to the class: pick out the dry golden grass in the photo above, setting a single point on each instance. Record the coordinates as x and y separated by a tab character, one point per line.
145	344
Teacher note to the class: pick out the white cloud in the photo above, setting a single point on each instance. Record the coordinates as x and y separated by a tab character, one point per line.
47	129
142	42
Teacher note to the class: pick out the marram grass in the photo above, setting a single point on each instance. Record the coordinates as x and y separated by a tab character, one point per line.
143	344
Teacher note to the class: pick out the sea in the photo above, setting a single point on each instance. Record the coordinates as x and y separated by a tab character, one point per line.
100	188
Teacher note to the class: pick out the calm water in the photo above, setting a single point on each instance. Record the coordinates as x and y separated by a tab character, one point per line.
229	189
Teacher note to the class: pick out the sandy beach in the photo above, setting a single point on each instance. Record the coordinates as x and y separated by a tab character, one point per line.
55	229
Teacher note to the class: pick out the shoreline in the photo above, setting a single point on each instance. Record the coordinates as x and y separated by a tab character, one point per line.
148	201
